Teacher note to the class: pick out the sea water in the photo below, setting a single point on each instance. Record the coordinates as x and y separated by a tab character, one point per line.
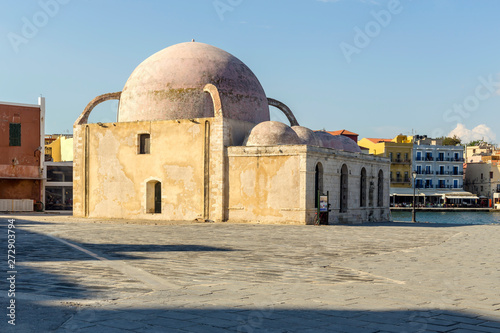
451	217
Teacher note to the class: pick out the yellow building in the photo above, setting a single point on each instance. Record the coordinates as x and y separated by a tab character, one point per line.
399	151
60	148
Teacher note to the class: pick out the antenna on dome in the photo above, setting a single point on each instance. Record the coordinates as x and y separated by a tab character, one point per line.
192	40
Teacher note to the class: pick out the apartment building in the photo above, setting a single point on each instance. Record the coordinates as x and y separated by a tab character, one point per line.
437	166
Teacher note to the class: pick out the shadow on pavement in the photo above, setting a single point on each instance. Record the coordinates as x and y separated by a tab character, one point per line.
32	317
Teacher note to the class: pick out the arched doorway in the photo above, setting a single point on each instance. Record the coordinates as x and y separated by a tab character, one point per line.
153	197
344	188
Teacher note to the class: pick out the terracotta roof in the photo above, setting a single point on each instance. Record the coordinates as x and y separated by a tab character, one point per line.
375	140
340	132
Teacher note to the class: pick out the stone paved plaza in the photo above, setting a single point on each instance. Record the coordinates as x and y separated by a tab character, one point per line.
78	275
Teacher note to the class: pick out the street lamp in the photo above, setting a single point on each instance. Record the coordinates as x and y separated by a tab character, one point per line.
414	175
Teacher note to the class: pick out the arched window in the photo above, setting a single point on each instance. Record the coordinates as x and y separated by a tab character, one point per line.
362	188
153	197
318	183
380	188
344	189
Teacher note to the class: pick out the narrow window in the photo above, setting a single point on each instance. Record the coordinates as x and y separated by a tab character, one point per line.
14	134
380	188
344	189
362	189
144	143
318	184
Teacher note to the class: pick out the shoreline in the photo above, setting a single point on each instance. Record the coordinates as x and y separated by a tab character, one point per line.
441	209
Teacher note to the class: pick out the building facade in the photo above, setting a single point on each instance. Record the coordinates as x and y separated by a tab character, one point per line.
59	147
437	166
194	141
475	153
399	152
21	155
482	173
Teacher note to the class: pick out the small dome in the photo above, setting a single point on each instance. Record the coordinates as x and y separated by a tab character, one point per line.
339	142
169	85
349	144
306	136
271	133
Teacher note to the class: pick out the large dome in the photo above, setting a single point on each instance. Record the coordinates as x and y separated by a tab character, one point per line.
170	83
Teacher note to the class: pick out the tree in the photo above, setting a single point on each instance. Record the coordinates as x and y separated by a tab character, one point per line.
448	141
477	143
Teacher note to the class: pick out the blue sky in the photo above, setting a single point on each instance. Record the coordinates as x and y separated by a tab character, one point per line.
375	67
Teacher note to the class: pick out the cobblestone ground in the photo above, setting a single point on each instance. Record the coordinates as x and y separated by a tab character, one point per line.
79	275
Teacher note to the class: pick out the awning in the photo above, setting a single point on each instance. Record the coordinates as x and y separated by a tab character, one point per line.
452	194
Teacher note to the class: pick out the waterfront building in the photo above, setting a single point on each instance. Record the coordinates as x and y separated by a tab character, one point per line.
21	155
475	154
193	141
399	152
439	171
482	175
482	178
437	166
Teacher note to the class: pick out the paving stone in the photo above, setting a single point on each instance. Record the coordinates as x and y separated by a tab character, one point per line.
185	277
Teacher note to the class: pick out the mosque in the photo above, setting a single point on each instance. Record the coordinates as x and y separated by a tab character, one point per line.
193	140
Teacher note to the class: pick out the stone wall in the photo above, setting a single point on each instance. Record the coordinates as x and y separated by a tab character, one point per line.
277	184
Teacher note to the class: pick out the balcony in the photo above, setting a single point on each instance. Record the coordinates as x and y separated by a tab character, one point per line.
439	159
439	186
425	172
400	180
449	159
450	173
424	186
401	161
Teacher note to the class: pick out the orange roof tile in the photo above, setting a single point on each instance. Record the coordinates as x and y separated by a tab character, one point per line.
375	140
340	132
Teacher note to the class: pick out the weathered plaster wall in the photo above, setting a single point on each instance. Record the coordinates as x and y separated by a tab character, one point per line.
264	185
20	165
202	177
20	189
117	175
277	184
24	155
